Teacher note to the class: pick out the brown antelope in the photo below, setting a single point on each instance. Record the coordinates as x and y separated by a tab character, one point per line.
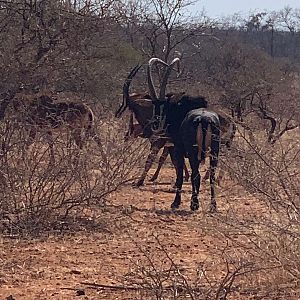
140	106
194	132
42	114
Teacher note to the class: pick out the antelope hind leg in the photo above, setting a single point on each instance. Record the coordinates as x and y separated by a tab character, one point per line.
152	155
162	160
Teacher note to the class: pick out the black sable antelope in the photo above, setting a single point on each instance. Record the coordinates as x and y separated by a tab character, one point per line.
194	132
140	105
41	114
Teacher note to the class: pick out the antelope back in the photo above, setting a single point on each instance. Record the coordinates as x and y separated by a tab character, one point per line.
44	112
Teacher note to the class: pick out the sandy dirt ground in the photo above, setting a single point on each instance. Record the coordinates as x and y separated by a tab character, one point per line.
133	242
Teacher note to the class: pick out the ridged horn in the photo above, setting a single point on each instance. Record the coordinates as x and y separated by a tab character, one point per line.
162	93
126	86
151	87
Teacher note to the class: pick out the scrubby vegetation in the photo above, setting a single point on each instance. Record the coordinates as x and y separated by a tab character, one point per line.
83	50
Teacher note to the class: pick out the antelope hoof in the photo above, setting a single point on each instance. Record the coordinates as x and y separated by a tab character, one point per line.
194	205
139	183
153	178
175	205
212	209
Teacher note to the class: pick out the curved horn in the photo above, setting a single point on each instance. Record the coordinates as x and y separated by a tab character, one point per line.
152	90
166	76
126	86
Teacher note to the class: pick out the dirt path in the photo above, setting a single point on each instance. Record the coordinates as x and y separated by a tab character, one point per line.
134	241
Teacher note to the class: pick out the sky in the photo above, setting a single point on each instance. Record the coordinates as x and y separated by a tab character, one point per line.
219	8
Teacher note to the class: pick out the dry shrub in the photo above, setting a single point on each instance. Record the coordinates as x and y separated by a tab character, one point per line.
270	236
37	194
270	172
157	275
261	258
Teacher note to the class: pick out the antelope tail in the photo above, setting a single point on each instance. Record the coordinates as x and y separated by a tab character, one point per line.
203	138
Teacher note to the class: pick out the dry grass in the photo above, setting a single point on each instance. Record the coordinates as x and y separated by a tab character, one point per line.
128	244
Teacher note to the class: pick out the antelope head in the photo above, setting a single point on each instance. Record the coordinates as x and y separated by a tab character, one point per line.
159	102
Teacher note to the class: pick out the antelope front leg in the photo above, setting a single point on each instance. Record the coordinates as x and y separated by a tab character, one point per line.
174	161
179	158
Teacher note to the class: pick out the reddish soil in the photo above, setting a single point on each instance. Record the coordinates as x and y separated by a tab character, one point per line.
120	244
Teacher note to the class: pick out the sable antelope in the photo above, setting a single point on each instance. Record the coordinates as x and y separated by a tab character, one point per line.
41	114
193	131
141	107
